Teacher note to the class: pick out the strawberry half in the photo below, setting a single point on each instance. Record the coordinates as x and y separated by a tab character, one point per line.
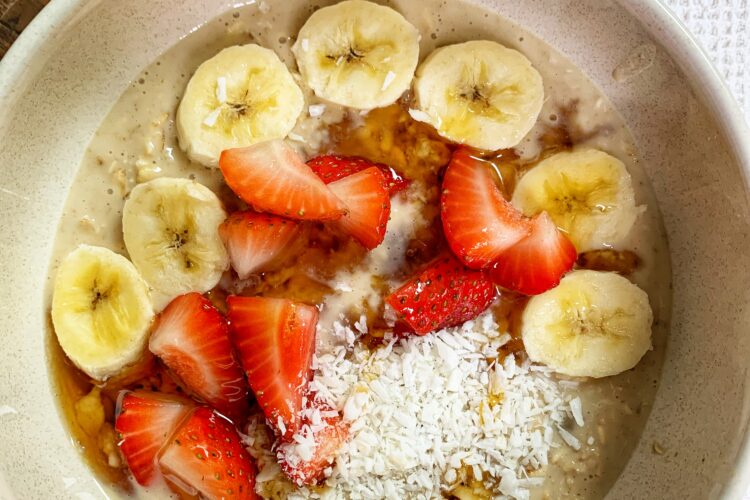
145	421
205	455
276	341
445	293
253	240
368	204
271	177
331	168
537	262
479	223
192	338
305	458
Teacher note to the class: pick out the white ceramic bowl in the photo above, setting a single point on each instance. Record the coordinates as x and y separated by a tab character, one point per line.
62	75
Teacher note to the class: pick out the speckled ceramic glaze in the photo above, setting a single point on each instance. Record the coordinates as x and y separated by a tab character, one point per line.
72	63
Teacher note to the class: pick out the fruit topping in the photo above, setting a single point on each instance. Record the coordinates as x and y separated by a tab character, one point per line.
368	203
145	421
271	177
254	240
479	223
307	456
445	293
101	311
206	456
276	340
331	168
192	338
536	263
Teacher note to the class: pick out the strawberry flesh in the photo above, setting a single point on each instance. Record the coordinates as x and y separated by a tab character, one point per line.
254	240
536	263
479	223
306	465
368	204
271	177
192	338
331	168
276	340
206	456
445	293
145	421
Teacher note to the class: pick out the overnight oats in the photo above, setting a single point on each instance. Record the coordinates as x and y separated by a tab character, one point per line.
355	250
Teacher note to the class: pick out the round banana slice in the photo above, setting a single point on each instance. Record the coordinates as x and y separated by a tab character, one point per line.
357	54
171	231
242	95
588	193
101	311
593	324
479	93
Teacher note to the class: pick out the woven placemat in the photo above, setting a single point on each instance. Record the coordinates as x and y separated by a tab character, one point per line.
722	28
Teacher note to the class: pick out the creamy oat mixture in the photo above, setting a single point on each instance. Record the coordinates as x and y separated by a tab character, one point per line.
431	414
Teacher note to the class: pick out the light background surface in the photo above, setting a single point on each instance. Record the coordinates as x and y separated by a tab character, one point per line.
722	28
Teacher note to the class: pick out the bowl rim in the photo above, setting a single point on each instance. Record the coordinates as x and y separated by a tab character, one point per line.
37	41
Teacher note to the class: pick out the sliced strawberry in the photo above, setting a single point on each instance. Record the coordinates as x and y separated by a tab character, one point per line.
271	177
205	455
145	421
368	204
331	168
479	223
305	457
445	293
537	262
254	240
192	338
276	341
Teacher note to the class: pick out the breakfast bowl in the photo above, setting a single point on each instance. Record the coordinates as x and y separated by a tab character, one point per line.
77	81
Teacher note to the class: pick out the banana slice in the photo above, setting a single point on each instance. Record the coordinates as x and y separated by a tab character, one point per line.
593	324
478	93
357	54
101	311
588	193
242	95
171	231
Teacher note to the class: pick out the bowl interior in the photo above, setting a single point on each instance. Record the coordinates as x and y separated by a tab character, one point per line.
60	80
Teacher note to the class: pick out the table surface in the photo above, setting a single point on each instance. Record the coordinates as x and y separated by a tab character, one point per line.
721	26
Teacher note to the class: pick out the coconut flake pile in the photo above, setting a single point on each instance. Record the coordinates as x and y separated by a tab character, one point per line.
425	411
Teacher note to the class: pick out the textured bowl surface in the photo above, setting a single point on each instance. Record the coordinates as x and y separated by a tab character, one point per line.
60	79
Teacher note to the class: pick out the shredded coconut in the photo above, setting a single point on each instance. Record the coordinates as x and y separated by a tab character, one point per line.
427	412
210	120
316	110
575	408
296	137
221	89
388	80
420	115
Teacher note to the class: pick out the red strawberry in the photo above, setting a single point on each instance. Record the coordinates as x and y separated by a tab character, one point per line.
479	223
271	177
192	338
369	206
206	456
322	432
331	168
253	240
537	262
144	422
276	341
445	293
